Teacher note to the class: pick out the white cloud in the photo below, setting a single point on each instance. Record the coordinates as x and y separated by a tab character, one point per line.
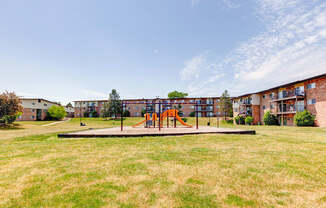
94	94
231	4
193	68
194	2
292	46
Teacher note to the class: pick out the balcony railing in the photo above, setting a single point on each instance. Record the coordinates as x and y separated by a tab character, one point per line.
288	94
290	109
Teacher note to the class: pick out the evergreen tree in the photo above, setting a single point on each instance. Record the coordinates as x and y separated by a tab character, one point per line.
226	104
114	104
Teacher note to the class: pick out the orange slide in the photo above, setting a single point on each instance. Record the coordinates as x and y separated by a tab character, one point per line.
173	113
147	117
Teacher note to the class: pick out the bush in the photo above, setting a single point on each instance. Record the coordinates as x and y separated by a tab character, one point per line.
240	120
227	121
126	113
184	119
249	120
192	114
270	119
8	119
57	112
304	118
94	114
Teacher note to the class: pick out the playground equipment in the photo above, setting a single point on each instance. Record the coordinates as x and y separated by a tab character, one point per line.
171	113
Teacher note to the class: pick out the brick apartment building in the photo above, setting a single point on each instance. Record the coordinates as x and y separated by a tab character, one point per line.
209	106
285	100
35	109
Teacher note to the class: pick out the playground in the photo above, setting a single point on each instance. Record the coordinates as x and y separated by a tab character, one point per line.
158	123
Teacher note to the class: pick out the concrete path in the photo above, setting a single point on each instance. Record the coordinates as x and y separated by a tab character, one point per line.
57	122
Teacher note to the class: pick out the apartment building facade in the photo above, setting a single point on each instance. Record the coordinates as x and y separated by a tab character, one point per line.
285	101
35	109
207	106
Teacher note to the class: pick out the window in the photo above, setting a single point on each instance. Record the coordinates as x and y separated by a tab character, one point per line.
32	117
33	110
45	104
271	95
311	85
33	103
264	107
272	106
39	100
312	101
217	106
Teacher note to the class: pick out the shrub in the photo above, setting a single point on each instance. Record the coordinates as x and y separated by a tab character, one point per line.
184	119
249	120
126	113
270	119
57	112
94	114
240	120
192	114
304	118
227	121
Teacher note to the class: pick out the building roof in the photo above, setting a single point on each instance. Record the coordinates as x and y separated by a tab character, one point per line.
285	85
41	99
140	99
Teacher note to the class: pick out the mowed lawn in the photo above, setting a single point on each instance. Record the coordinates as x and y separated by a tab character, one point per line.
278	167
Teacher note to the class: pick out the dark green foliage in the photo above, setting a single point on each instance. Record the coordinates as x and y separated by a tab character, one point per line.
226	104
249	120
114	104
304	118
86	114
94	114
143	111
184	119
177	94
8	119
240	120
126	113
270	119
192	114
57	112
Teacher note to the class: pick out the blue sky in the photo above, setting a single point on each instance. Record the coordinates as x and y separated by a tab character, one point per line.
70	50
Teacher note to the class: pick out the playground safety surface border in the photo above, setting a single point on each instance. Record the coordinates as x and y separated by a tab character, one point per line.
141	132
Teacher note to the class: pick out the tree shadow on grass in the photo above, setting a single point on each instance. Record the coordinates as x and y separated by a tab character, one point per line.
8	127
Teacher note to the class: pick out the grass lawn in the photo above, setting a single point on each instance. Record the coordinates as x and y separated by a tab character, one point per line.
278	167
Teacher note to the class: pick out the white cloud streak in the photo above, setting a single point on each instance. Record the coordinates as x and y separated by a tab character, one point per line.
292	46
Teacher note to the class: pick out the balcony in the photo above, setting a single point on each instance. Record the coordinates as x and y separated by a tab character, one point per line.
290	109
288	95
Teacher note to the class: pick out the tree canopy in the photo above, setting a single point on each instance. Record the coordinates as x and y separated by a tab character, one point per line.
177	94
56	112
10	107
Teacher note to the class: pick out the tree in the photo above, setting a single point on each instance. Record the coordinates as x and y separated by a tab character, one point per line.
226	104
114	103
177	94
10	107
270	119
192	114
105	112
304	118
69	105
57	112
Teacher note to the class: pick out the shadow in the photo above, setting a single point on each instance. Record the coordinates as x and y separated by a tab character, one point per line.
9	127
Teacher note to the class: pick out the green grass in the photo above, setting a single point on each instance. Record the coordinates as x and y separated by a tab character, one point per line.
278	167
